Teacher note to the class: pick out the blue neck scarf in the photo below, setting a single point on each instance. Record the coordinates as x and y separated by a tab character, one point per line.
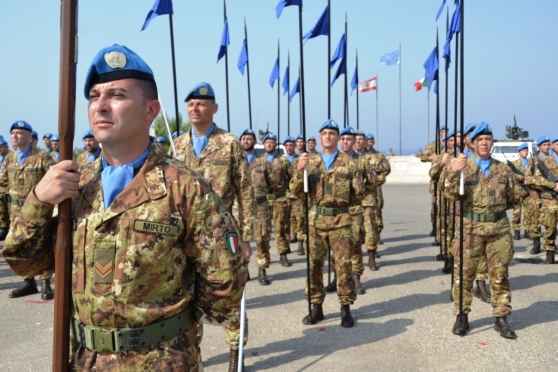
22	155
48	151
200	143
116	178
291	157
1	159
250	157
484	165
469	153
524	163
329	159
270	157
362	153
91	157
56	156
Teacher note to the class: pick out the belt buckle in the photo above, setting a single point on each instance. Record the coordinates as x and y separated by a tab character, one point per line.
81	334
103	340
478	217
134	339
328	211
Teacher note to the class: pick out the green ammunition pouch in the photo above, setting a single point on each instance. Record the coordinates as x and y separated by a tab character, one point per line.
485	217
261	200
279	195
8	199
121	340
329	211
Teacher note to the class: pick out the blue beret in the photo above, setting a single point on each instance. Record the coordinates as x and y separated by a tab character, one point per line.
289	139
21	124
298	137
360	132
87	134
542	139
248	132
469	128
554	139
116	62
329	124
482	128
54	138
3	142
450	133
523	146
270	136
34	134
47	135
161	139
174	135
369	136
348	130
201	91
311	139
443	127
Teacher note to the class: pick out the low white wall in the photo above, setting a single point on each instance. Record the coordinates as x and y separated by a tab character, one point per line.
408	169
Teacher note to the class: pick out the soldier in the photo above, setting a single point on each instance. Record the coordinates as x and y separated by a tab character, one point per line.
92	149
218	156
533	201
21	171
469	149
55	153
295	204
334	184
389	153
520	166
490	188
311	146
278	204
161	141
133	209
545	179
368	144
299	143
4	150
263	182
34	139
48	144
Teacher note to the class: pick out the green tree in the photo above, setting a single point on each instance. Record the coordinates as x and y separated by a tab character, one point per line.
161	128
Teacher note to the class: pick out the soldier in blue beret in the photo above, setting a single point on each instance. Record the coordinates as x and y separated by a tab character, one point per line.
48	144
361	143
520	167
299	144
55	153
369	142
296	212
161	141
311	145
176	135
34	139
92	149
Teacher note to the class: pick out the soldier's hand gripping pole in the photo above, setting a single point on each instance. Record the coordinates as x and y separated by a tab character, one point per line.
307	243
242	325
66	127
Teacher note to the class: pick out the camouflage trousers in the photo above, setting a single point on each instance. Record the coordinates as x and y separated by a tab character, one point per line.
232	332
549	218
532	214
341	243
433	212
498	250
262	234
297	217
280	214
378	211
44	276
358	238
516	219
370	229
445	225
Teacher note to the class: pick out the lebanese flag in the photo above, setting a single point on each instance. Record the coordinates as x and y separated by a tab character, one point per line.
367	85
419	84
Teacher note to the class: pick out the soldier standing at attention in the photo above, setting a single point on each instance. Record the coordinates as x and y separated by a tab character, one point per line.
533	202
21	171
154	247
218	156
92	149
296	205
4	150
55	153
263	182
34	139
299	144
521	166
334	185
48	144
311	145
490	188
545	179
278	205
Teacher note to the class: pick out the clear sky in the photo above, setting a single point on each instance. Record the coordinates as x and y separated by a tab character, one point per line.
509	46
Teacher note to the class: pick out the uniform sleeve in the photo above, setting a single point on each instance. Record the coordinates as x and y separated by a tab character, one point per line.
370	178
357	186
429	150
28	247
385	165
450	186
244	192
514	192
296	185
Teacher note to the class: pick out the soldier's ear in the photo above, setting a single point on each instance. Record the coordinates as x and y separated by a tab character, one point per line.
215	107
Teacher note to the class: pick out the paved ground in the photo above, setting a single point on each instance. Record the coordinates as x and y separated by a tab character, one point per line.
403	322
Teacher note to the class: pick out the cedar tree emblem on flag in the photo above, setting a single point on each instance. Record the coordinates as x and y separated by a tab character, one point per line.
367	85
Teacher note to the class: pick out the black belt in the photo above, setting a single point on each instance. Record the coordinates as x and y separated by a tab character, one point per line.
280	194
329	211
485	217
120	340
261	200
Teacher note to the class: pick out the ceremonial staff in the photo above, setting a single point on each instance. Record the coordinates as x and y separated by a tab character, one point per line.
66	126
462	179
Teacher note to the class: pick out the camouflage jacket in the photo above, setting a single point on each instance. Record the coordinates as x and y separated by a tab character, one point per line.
290	195
262	177
380	165
283	171
484	195
159	249
82	158
223	164
429	150
537	180
340	187
369	178
519	166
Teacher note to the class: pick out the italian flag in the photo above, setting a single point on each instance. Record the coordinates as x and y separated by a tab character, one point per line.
367	85
419	84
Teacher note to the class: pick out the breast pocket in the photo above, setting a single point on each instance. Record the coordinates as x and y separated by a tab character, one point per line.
341	187
218	171
315	187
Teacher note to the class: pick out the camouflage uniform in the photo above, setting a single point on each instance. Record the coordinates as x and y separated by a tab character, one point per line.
82	158
485	198
428	151
383	169
532	203
371	182
296	208
166	214
331	193
516	219
223	164
18	182
278	204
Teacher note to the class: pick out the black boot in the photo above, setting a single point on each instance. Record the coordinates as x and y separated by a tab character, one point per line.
380	241
293	238
501	325
233	361
315	316
3	233
433	232
347	320
439	257
300	251
461	325
527	235
29	287
536	246
262	277
481	291
549	257
516	235
358	285
436	243
372	261
332	287
376	253
448	266
284	260
47	290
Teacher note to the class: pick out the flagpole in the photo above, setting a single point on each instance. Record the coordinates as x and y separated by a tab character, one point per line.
437	211
377	120
174	76
328	67
288	93
278	92
248	75
227	73
428	116
461	197
346	89
357	93
400	99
